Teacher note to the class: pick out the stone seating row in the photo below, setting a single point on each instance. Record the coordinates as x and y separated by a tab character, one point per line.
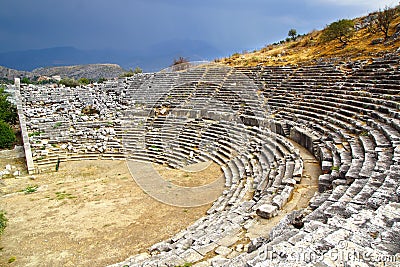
344	212
340	118
336	212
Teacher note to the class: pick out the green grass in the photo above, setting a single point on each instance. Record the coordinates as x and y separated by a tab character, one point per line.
187	264
34	134
30	189
12	259
57	124
335	168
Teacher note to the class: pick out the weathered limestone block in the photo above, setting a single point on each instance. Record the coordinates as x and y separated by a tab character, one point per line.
223	251
267	211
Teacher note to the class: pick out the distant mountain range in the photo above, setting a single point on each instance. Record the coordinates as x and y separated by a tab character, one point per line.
150	59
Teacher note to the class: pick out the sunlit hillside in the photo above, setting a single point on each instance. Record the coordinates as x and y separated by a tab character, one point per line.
309	49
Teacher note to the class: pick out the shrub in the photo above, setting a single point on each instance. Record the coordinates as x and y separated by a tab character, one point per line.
127	74
180	63
101	80
3	221
85	81
7	135
131	72
31	189
8	111
235	55
26	80
69	82
137	70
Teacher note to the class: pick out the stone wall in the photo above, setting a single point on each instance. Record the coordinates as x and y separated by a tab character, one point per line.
24	133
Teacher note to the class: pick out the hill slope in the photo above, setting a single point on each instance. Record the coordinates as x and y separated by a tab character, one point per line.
309	49
7	74
91	71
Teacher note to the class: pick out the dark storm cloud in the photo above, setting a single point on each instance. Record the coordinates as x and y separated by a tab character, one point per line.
129	25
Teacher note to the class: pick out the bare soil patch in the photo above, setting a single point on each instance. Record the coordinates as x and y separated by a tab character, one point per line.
90	213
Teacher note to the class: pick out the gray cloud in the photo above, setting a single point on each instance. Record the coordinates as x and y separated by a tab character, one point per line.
230	25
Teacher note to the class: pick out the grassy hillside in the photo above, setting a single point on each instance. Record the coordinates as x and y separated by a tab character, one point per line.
309	49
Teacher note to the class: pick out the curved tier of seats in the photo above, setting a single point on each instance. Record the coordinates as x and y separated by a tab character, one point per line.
346	115
354	127
350	122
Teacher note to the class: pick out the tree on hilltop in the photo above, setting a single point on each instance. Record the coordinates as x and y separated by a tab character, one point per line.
341	30
292	34
384	18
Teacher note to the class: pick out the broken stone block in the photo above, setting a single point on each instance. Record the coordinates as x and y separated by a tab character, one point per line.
267	211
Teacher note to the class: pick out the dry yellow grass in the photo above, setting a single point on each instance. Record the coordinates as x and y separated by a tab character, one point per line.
307	49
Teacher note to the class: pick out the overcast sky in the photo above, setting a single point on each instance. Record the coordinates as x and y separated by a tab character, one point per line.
228	25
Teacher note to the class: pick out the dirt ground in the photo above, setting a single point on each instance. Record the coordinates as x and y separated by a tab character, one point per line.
190	179
90	213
